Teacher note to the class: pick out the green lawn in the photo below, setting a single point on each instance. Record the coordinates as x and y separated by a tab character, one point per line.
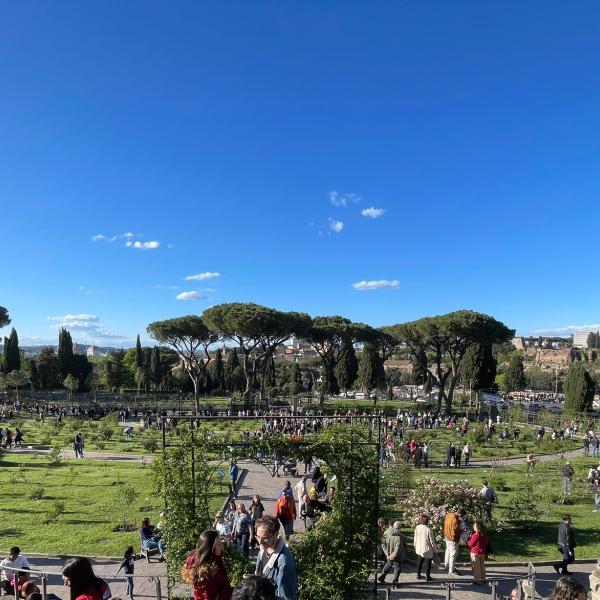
92	493
538	541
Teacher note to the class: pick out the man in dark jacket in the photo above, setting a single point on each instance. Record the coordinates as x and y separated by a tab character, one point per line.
394	548
566	544
567	475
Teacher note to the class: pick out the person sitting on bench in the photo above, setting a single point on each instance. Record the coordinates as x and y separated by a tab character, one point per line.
149	540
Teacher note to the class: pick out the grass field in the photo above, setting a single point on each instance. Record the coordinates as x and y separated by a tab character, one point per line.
537	541
92	493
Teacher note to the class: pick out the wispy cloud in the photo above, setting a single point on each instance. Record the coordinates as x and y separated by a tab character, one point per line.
203	276
335	225
88	327
152	245
372	212
375	284
338	199
192	295
158	286
567	329
129	238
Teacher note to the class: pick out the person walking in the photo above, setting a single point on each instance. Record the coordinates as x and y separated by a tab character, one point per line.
204	569
233	475
567	477
452	532
425	547
594	443
301	491
480	546
467	452
457	453
489	496
242	525
256	511
566	545
128	566
394	549
275	561
285	511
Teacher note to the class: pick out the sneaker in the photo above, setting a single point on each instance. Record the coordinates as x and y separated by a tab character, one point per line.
456	572
556	569
428	578
419	576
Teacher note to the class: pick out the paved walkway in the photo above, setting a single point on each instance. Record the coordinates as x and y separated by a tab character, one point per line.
465	590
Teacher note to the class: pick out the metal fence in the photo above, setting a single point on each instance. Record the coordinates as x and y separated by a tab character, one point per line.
48	578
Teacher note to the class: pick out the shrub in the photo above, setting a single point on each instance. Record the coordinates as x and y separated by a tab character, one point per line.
37	493
475	435
54	456
56	509
435	498
150	443
526	506
100	444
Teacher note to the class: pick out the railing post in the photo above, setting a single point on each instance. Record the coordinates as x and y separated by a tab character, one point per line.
44	586
519	589
494	584
388	593
158	590
448	587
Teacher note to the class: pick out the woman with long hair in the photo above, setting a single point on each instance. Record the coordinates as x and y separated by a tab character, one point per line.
568	588
204	569
480	546
79	577
256	512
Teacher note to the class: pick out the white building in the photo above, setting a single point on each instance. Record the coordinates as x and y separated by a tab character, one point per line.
580	339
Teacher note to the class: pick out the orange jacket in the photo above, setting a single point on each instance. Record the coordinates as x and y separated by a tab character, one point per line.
452	527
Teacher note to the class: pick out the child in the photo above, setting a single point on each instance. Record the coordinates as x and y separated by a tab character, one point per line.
128	565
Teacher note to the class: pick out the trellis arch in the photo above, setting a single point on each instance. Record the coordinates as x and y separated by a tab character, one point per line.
335	559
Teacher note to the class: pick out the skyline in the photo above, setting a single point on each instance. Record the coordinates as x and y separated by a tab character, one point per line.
381	162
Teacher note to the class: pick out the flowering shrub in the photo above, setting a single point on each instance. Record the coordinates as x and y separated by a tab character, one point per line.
435	498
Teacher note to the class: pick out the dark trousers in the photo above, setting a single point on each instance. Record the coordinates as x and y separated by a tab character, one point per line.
243	542
567	559
8	587
427	561
389	564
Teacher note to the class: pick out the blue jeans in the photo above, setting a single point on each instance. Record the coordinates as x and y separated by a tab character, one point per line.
243	542
566	561
151	544
129	580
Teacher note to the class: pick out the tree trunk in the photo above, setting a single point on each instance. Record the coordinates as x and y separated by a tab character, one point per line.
196	400
450	395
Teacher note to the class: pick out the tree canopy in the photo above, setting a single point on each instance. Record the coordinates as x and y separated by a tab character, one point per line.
190	338
257	330
444	339
4	317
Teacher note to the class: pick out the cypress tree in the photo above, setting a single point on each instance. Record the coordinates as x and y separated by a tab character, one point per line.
219	370
139	357
579	390
5	353
371	372
346	371
296	379
155	368
233	362
514	378
34	377
65	352
12	358
478	367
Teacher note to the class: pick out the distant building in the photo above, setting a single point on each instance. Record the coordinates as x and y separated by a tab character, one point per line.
518	343
580	339
93	351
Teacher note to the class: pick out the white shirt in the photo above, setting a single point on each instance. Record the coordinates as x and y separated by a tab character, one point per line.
19	563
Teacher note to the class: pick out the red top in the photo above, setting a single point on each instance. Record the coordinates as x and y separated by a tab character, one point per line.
95	593
479	543
216	586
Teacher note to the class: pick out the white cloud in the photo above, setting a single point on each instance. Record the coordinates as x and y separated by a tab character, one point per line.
372	212
342	199
335	225
375	284
193	295
142	245
203	276
88	328
100	237
568	329
80	317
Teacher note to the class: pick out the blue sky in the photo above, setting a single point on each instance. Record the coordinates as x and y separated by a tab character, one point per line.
220	131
